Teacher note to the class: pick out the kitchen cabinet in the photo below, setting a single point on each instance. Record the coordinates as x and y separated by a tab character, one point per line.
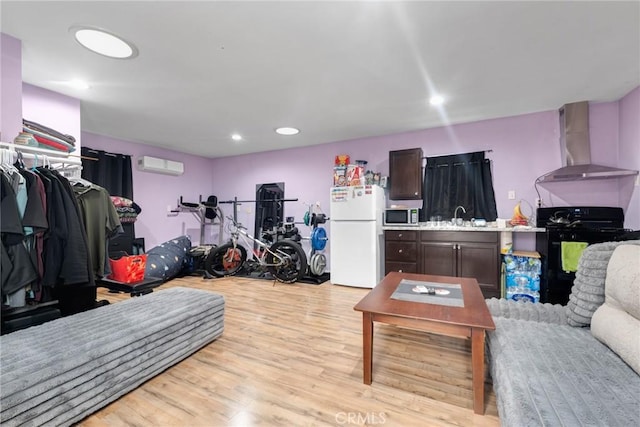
401	251
463	254
405	174
446	253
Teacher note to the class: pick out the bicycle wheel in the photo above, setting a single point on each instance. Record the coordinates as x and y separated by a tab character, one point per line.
225	260
292	264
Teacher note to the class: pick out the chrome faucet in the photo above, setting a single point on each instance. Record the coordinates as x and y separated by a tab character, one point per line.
456	220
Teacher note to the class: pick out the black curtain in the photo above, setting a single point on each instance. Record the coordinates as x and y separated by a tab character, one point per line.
458	180
111	171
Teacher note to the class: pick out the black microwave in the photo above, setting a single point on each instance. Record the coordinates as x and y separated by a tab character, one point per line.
401	216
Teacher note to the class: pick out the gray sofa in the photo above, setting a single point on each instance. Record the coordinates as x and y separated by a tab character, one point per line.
59	372
578	364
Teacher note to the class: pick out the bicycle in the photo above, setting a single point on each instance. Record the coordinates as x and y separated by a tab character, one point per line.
284	259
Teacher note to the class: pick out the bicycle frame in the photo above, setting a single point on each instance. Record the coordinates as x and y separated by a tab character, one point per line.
285	259
247	239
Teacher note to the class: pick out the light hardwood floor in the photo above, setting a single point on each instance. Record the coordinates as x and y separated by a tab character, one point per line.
291	355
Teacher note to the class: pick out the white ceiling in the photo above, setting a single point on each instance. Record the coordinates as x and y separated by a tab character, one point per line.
336	70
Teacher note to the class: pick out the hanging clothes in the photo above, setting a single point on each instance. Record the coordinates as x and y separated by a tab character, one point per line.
17	269
44	243
101	222
66	253
45	253
54	236
35	225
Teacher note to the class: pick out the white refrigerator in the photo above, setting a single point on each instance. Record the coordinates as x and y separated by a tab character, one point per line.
356	236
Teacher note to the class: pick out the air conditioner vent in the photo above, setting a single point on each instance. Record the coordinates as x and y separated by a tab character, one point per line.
155	165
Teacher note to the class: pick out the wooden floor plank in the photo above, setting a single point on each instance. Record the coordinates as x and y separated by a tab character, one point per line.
292	355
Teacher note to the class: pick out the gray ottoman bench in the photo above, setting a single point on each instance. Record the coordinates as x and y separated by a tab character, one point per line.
59	372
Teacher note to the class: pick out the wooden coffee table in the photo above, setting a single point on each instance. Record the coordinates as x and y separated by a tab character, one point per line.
468	322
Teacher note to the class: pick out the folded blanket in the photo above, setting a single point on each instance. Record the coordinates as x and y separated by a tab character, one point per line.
52	145
34	126
65	146
123	202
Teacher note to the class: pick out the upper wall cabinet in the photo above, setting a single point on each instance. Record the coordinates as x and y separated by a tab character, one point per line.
405	174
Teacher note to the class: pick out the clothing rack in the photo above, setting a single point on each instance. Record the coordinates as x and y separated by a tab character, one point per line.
80	294
68	164
57	159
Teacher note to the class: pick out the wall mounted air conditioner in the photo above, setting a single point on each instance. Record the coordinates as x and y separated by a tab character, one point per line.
153	164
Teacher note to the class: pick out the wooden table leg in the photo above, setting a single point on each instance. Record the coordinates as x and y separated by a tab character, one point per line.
367	346
477	369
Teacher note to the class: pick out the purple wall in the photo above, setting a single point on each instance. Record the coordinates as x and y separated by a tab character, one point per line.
10	87
157	194
629	152
524	147
307	172
52	109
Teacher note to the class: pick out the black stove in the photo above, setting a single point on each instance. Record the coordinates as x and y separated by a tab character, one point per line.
571	224
594	218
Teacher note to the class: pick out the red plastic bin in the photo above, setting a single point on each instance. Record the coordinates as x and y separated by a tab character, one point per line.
128	269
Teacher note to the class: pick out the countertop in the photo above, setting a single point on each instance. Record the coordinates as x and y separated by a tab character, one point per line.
490	227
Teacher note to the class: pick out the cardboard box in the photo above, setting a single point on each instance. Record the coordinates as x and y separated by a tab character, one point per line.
355	175
340	176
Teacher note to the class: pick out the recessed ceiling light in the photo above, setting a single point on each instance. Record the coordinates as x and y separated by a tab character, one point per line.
78	84
236	137
287	131
103	42
436	100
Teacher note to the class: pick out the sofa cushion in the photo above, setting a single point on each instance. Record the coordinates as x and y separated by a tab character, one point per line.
558	375
617	322
524	310
587	293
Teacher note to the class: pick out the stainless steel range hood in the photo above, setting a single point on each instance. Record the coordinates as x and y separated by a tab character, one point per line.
576	149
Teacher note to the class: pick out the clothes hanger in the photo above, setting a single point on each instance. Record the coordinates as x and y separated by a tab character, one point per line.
19	163
79	181
6	159
7	164
35	162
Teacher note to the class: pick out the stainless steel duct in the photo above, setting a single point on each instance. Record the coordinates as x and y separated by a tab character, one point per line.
575	148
